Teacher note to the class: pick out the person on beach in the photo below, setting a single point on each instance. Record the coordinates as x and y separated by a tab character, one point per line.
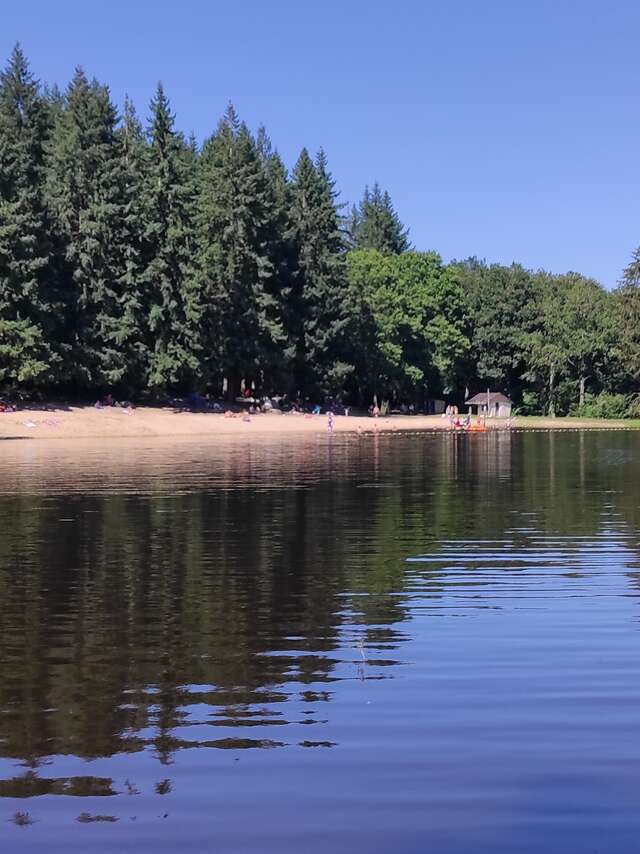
330	421
375	411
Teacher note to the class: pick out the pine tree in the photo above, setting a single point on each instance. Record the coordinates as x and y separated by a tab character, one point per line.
27	298
631	273
318	313
351	226
376	224
281	248
241	288
130	335
84	187
626	305
169	300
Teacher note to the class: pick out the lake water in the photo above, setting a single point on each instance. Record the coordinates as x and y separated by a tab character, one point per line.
407	643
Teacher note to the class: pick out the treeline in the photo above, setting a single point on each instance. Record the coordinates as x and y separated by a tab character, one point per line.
135	261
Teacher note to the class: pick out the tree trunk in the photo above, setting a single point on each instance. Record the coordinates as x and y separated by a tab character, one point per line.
552	378
234	381
583	381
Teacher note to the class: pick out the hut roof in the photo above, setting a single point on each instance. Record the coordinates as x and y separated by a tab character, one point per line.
494	397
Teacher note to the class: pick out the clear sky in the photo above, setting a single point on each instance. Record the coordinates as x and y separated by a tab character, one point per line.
507	129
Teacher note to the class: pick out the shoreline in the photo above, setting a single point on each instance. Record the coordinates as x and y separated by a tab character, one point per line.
61	421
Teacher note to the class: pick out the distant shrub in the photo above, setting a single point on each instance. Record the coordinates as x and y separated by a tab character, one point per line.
530	404
604	405
536	402
565	393
633	408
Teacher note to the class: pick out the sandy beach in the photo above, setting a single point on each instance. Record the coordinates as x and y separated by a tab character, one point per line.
60	421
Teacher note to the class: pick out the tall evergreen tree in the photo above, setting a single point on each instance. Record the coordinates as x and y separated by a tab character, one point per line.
281	245
238	223
351	225
168	282
84	188
131	260
626	312
318	309
130	335
27	298
631	273
376	225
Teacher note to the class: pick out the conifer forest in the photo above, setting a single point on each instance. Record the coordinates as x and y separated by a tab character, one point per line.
136	261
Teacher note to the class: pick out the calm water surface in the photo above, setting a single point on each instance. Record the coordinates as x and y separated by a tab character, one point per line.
381	644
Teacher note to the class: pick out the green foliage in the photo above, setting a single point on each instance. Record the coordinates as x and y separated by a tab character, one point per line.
633	406
169	294
374	224
631	273
408	320
27	298
240	286
318	311
23	354
129	333
531	404
83	191
625	312
574	338
502	307
605	405
131	260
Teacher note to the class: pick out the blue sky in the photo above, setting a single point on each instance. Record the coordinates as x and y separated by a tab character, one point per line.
504	129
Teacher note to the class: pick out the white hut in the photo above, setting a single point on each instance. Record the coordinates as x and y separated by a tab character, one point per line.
492	404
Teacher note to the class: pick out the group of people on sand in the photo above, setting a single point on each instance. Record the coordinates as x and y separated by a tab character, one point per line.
7	407
465	423
247	414
108	401
458	423
243	416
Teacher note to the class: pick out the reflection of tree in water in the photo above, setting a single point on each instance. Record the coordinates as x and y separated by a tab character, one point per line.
149	617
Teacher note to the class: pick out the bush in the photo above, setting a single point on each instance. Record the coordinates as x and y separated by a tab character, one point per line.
530	405
604	405
633	408
565	393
